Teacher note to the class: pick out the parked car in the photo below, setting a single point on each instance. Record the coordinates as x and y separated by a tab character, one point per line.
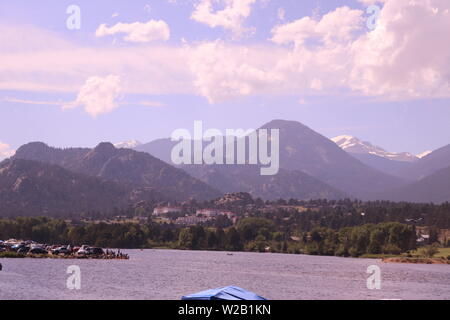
84	250
61	250
23	250
38	250
96	251
17	246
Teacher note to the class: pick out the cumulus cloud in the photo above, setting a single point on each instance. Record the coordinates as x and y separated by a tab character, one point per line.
336	26
231	17
98	95
224	72
137	31
5	151
407	56
52	65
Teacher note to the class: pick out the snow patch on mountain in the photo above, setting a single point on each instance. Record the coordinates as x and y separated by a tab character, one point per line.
131	144
424	154
352	144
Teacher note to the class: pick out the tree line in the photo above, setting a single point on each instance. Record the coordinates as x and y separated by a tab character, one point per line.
249	234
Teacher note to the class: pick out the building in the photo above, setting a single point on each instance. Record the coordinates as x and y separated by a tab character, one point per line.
191	220
214	213
210	213
160	211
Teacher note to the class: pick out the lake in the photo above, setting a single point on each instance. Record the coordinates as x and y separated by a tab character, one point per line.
169	274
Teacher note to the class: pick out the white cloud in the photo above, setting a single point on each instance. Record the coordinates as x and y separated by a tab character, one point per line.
407	56
53	65
35	102
224	72
5	151
336	26
231	17
137	31
98	95
91	110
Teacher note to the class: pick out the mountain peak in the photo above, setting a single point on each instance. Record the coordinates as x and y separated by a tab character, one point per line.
130	144
345	138
31	149
283	124
354	145
105	147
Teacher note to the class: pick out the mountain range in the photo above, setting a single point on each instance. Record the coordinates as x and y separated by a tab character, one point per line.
434	161
376	157
121	166
433	188
359	169
31	187
428	174
301	150
403	164
41	179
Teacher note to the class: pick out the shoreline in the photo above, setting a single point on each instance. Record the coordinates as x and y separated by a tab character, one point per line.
416	260
384	259
14	255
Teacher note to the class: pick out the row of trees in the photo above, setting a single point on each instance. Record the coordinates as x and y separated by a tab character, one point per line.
338	216
249	234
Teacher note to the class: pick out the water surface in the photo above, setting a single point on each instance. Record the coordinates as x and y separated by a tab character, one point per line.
169	274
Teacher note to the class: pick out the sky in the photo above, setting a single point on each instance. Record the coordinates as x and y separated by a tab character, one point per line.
76	73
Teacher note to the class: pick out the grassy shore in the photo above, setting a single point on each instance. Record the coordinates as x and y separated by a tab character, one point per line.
417	260
443	253
11	255
442	257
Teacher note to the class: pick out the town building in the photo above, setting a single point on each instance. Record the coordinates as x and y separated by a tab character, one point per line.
160	211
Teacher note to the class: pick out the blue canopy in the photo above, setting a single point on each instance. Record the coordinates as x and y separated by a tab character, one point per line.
224	293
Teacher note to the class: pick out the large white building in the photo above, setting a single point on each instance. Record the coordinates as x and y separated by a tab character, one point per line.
160	211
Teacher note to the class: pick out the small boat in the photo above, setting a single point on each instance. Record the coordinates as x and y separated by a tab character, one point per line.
224	293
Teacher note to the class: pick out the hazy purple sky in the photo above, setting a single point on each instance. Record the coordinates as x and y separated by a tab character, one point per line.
140	69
